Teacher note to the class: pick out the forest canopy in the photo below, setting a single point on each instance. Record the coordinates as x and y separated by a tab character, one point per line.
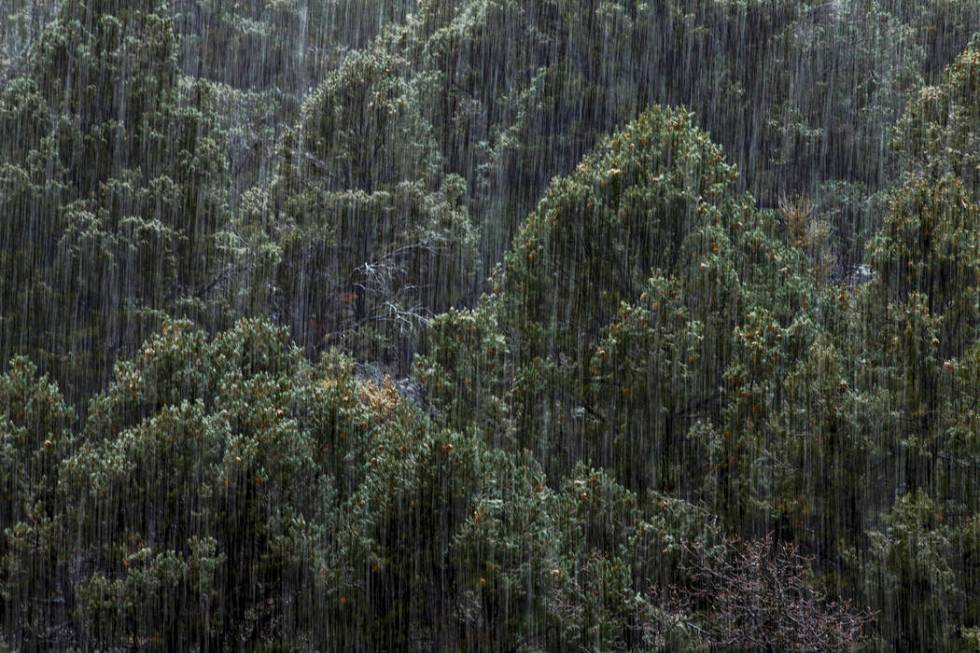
490	325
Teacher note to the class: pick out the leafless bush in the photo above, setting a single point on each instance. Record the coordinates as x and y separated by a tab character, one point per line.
760	596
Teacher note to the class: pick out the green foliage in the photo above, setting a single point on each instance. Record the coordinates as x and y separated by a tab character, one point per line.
600	345
226	492
34	437
930	246
374	240
916	573
938	132
714	365
117	204
678	417
263	44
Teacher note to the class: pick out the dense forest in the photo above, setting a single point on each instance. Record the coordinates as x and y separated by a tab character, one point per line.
490	325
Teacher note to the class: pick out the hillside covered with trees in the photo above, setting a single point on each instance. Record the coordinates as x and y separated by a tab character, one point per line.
490	325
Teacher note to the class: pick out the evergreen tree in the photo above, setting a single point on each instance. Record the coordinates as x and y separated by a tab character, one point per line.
114	190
